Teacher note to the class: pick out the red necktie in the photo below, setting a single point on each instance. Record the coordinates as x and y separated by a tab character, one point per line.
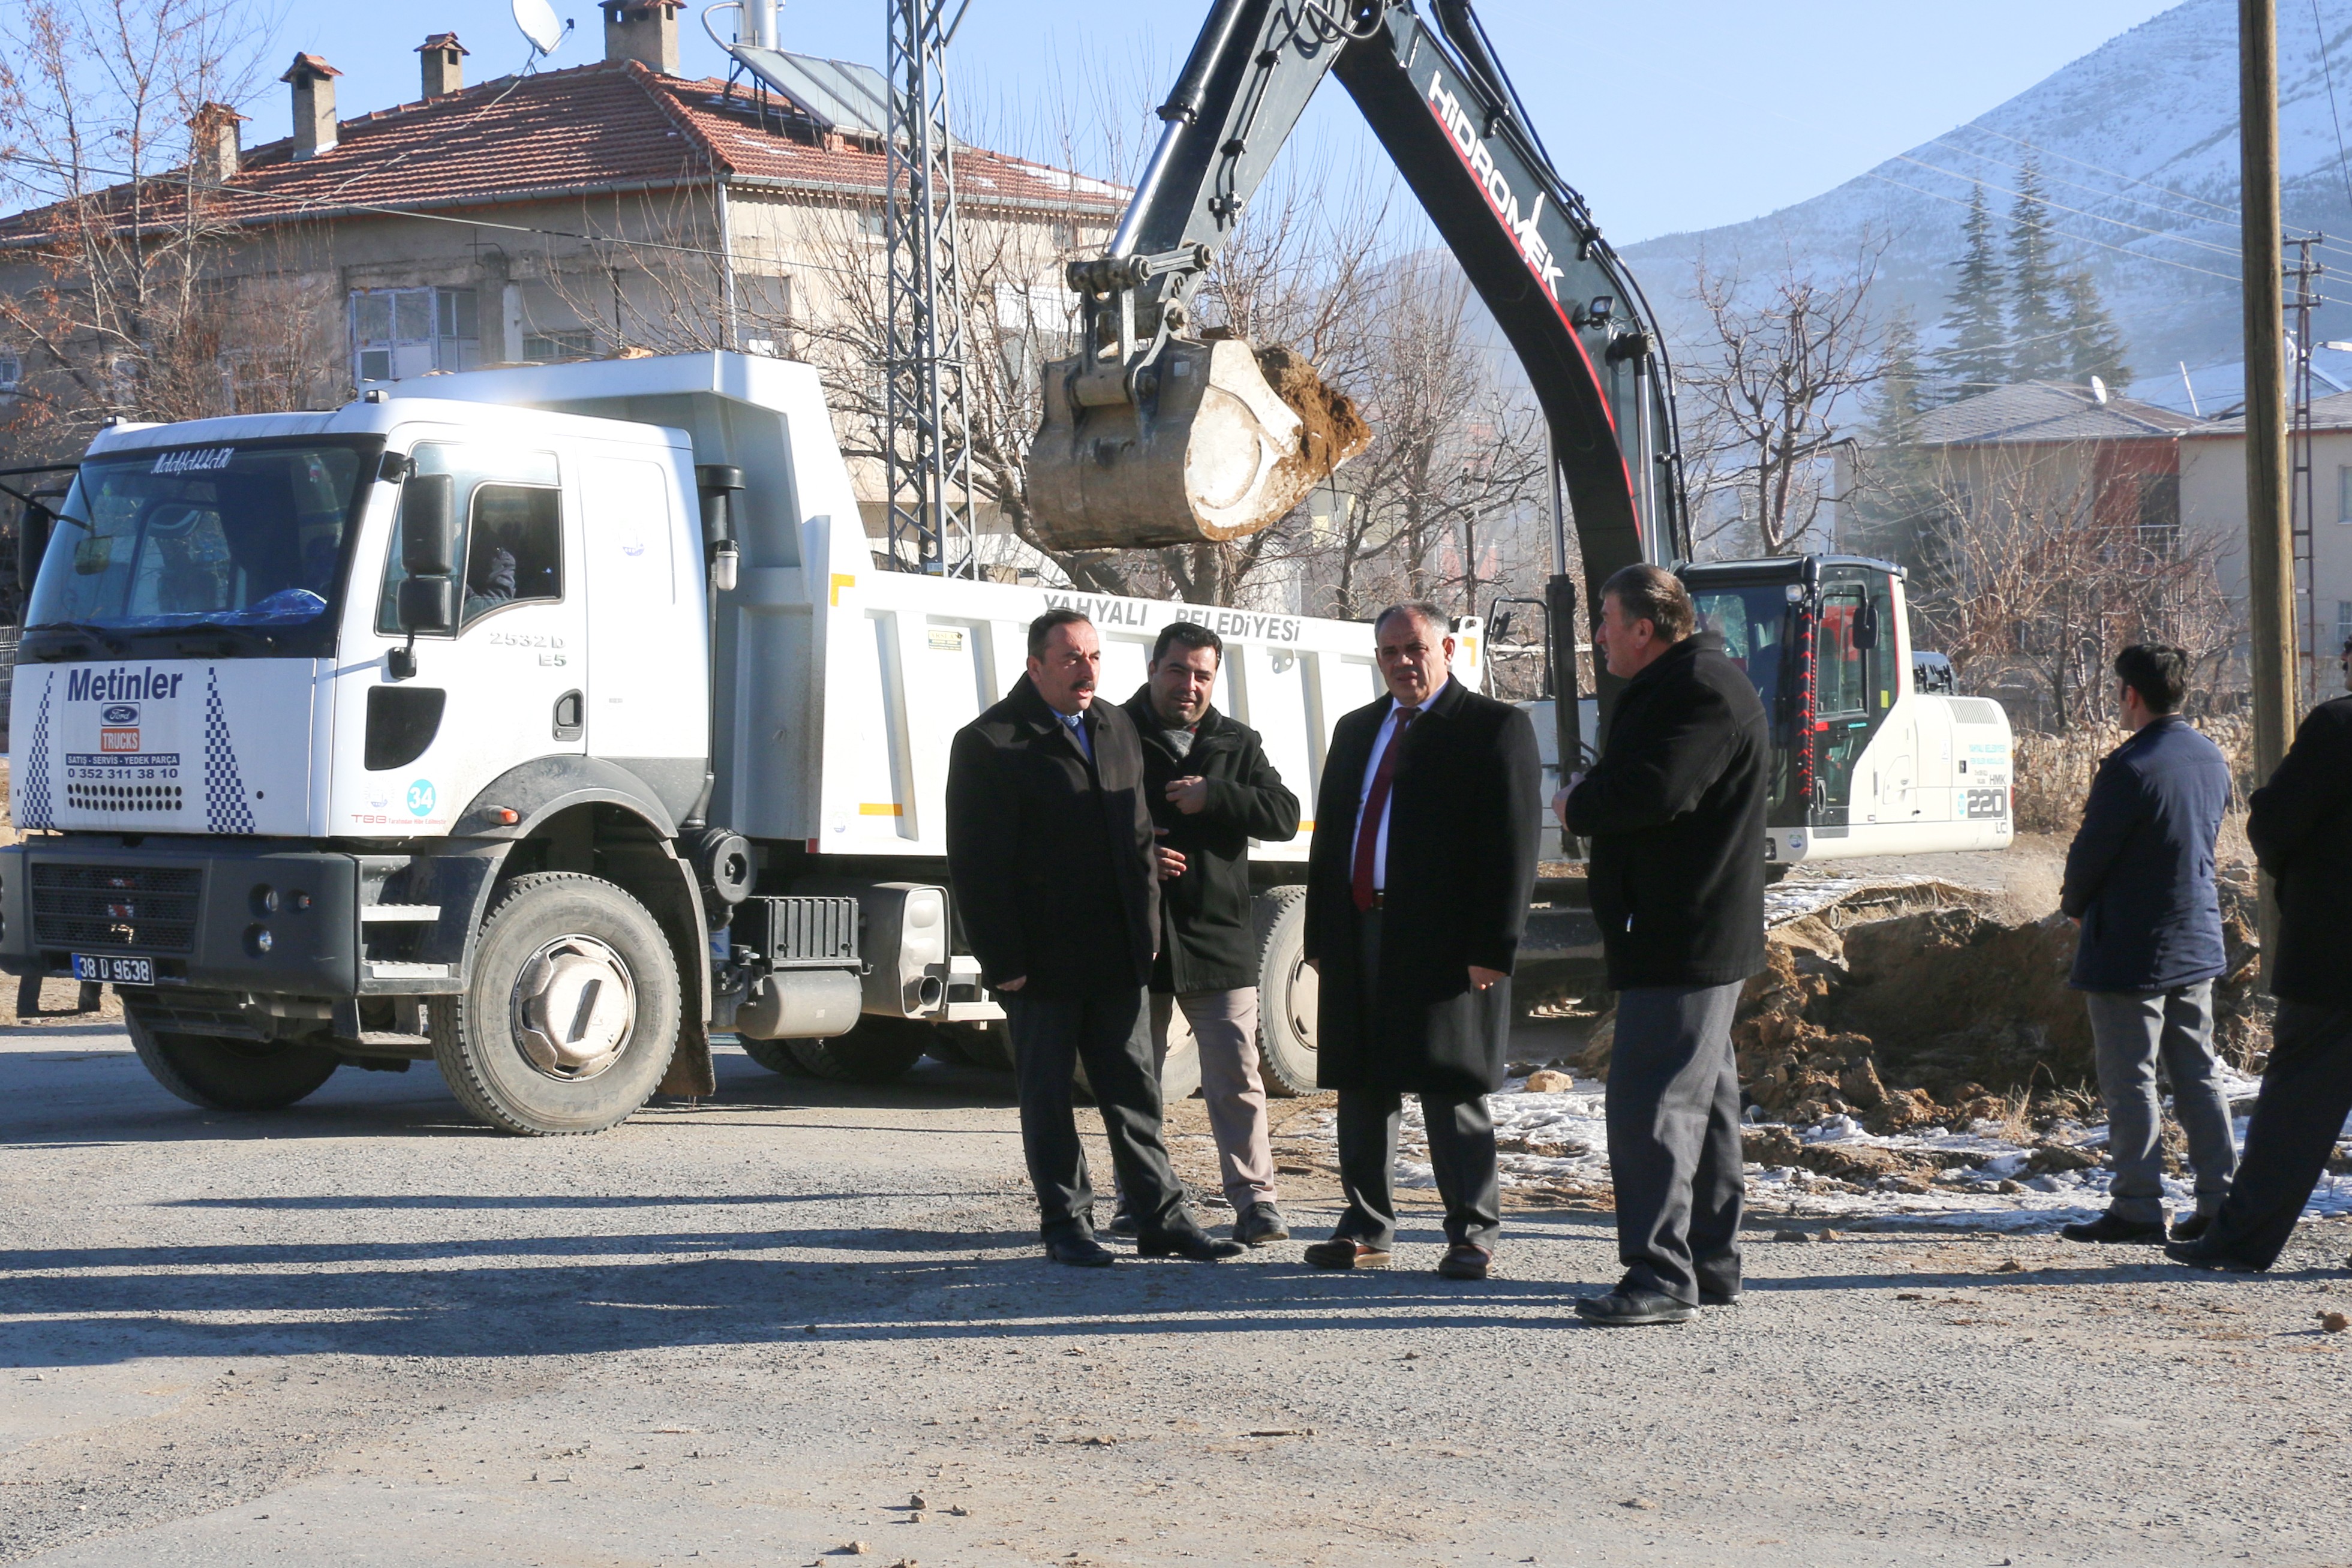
1367	825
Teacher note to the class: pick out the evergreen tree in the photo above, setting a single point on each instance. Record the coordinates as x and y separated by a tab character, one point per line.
2037	328
1894	496
1973	358
2095	344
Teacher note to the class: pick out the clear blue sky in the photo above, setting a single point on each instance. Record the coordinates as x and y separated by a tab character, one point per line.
1671	115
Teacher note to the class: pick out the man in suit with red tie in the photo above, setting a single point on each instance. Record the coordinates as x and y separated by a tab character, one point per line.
1417	887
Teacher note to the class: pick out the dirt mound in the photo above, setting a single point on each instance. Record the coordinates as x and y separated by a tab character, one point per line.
1335	427
1940	1017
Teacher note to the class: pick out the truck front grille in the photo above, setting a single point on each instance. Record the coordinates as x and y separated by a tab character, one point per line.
149	908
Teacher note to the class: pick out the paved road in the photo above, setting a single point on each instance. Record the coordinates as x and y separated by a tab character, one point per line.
751	1331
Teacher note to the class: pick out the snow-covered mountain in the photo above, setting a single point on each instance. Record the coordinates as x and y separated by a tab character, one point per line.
2138	138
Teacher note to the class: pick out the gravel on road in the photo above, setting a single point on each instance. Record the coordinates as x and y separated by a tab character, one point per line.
800	1318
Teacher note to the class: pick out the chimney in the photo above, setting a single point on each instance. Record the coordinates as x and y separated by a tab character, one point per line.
213	150
313	81
441	56
645	31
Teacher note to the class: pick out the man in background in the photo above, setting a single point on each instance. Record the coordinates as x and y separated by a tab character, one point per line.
1675	811
1417	887
1212	790
1050	851
2139	882
2301	825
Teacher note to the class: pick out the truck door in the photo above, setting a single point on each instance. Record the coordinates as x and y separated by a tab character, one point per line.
509	684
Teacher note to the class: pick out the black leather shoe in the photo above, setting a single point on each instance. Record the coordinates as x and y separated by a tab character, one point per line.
1193	1246
2190	1226
1626	1308
1346	1252
1718	1297
1078	1251
1122	1222
2108	1227
2202	1254
1465	1261
1258	1224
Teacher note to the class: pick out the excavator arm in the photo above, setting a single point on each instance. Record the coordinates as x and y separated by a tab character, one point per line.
1155	436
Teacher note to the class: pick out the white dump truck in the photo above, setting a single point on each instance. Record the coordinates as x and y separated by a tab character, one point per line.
536	721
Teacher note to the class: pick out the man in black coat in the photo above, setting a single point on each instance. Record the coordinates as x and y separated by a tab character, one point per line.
2301	825
2139	881
1417	887
1674	810
1212	790
1050	851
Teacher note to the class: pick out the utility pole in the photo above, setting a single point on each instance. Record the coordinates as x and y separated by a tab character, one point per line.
2270	580
2302	484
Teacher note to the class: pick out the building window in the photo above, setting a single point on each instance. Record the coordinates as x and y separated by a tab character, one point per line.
2343	622
2344	495
2159	515
12	371
873	220
400	333
542	347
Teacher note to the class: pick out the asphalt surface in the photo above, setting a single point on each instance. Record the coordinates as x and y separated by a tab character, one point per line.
753	1330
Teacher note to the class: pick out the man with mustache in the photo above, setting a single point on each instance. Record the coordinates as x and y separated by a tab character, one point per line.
1051	852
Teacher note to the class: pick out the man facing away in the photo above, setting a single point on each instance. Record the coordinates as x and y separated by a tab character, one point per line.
2139	881
1674	810
1212	790
1417	887
2301	825
1050	853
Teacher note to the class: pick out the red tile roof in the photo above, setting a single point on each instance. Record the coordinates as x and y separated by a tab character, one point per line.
614	126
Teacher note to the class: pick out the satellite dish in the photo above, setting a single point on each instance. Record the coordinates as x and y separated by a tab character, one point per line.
2098	387
537	19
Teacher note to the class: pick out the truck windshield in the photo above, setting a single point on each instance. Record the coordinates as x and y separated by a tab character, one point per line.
150	548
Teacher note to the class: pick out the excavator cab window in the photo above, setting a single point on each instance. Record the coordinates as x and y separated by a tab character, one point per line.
1756	622
1857	657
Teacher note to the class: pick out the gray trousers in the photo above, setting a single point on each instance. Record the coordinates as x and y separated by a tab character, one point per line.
1461	1148
2131	1032
1224	1032
1111	1033
1674	1140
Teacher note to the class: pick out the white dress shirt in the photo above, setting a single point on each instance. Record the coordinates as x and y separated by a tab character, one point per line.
1364	791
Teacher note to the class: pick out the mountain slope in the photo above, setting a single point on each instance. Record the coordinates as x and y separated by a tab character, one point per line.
2139	136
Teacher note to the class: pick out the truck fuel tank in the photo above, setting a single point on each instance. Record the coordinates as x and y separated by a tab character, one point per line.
1217	442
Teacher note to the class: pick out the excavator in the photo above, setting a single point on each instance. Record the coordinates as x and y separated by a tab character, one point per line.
1160	433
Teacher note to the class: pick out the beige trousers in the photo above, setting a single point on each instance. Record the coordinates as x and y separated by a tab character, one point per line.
1224	1027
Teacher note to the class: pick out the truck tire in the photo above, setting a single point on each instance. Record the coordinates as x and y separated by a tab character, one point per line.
990	1049
1286	995
946	1046
876	1051
569	1017
773	1055
221	1073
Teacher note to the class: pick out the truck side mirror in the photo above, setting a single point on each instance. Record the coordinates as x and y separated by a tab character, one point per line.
428	604
32	543
428	526
1865	627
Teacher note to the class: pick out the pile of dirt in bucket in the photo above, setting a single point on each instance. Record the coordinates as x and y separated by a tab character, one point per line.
1943	1016
1335	429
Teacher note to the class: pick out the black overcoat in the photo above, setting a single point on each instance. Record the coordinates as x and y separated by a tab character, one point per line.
1208	925
1675	809
2300	824
1463	818
1050	856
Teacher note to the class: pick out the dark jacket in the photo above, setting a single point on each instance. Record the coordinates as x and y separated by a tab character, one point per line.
1675	809
1462	821
1051	855
2301	825
1208	922
2139	874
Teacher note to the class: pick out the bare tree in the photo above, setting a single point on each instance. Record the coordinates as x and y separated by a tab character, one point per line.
1763	395
101	103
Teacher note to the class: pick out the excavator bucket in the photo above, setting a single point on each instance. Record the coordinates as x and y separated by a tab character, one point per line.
1220	442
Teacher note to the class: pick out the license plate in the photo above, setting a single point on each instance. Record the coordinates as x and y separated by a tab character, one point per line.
114	971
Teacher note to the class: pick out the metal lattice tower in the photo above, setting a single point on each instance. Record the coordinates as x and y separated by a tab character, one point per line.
928	459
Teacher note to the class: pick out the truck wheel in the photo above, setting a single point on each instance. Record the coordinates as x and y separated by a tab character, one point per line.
571	1014
989	1048
876	1051
946	1044
221	1073
773	1055
1286	995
